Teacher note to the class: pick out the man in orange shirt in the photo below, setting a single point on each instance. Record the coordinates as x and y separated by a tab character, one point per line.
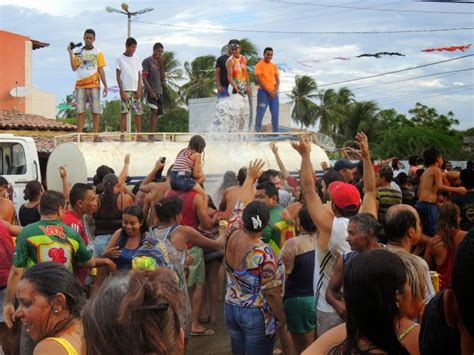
268	82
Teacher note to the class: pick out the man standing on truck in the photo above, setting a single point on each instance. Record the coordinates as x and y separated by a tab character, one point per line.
89	64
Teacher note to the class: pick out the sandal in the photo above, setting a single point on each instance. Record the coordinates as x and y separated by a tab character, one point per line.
204	332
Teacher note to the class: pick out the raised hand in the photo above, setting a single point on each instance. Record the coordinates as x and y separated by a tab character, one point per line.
255	169
274	148
127	159
303	146
363	143
63	172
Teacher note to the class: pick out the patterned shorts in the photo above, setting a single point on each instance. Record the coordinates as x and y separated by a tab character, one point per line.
88	95
132	104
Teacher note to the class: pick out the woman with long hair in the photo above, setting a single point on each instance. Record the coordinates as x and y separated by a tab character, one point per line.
108	218
50	304
442	247
135	313
29	211
375	288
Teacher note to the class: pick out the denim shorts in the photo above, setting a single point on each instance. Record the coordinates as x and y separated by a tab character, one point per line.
247	331
182	181
428	212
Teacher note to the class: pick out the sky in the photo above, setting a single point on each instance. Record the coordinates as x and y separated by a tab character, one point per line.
297	30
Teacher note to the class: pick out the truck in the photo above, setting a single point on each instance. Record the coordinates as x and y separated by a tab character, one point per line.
82	156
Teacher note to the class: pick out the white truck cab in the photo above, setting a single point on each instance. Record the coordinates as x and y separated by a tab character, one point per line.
19	163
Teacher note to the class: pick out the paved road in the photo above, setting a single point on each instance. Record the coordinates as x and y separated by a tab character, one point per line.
213	344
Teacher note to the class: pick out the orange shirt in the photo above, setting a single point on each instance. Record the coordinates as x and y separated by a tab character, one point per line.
266	73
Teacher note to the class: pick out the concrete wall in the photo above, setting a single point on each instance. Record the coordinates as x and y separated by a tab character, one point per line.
201	113
39	102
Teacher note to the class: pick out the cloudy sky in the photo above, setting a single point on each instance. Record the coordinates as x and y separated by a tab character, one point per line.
296	29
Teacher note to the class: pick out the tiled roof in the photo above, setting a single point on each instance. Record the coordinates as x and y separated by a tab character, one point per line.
44	144
10	119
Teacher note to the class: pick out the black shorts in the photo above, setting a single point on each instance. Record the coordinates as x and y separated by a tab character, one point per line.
155	104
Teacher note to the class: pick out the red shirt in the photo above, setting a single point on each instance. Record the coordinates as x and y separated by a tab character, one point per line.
188	216
70	219
6	253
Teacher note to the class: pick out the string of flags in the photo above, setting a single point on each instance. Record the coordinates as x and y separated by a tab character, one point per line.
310	62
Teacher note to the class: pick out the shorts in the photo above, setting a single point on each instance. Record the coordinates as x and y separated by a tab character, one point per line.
428	212
88	95
155	104
197	271
326	321
131	104
300	314
182	180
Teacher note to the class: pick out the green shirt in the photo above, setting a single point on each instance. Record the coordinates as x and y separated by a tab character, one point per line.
271	234
49	241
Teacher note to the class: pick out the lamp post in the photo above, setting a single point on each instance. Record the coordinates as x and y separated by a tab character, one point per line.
124	10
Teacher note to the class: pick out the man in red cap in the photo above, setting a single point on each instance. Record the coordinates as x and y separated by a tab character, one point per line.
332	224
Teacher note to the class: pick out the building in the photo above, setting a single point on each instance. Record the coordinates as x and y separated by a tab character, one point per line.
16	71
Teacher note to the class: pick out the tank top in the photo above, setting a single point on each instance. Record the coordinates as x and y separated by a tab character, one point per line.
239	69
70	349
107	220
124	261
28	215
446	268
183	160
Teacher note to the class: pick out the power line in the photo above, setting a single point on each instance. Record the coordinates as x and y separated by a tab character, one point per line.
409	95
397	71
413	78
371	8
302	32
428	96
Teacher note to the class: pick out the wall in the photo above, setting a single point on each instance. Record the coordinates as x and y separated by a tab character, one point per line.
39	102
12	68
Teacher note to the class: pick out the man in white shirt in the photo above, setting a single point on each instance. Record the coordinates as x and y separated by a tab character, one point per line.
129	80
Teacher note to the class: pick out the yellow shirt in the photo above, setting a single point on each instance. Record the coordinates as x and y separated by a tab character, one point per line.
266	73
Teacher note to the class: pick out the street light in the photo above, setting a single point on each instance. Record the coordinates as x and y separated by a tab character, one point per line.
125	11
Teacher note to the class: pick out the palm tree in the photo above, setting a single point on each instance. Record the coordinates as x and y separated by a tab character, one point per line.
304	109
171	90
201	77
332	109
66	108
362	116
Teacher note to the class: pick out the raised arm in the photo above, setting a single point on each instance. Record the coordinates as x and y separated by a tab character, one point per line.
321	216
334	288
253	172
124	173
369	203
281	165
151	175
66	185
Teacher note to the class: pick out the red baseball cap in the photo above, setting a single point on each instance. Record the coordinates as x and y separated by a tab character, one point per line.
344	195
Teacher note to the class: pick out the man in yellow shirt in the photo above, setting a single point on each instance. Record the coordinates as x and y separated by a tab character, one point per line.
89	64
268	82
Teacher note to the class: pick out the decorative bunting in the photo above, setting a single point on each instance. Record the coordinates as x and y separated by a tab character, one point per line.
379	54
448	49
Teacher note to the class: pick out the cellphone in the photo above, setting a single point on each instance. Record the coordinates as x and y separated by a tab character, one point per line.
163	160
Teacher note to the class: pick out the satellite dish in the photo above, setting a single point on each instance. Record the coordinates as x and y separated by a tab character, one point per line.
19	91
324	141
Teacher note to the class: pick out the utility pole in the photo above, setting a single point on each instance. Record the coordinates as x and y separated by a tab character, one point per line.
129	14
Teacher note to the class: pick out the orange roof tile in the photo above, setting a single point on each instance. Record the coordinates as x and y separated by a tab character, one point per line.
10	119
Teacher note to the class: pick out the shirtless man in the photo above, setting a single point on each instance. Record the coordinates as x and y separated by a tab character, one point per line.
233	194
430	183
7	208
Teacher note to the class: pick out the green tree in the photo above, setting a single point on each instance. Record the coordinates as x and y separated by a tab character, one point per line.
424	116
332	109
174	120
304	111
66	108
111	113
174	75
201	77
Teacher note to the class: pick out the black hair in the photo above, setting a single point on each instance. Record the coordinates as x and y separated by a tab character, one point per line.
270	189
467	178
51	202
398	223
394	164
267	175
255	216
463	287
306	220
386	172
413	160
367	224
197	143
332	175
130	42
135	210
49	279
436	336
108	184
420	161
168	208
3	182
430	156
267	49
78	192
371	281
32	190
89	30
401	179
242	175
229	179
158	45
347	212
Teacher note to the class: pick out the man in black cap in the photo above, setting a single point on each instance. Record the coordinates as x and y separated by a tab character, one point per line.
222	82
346	168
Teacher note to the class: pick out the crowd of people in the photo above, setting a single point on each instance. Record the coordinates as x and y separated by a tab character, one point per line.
135	77
366	258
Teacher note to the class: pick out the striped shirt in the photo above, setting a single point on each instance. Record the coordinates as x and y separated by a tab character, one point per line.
387	198
183	160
